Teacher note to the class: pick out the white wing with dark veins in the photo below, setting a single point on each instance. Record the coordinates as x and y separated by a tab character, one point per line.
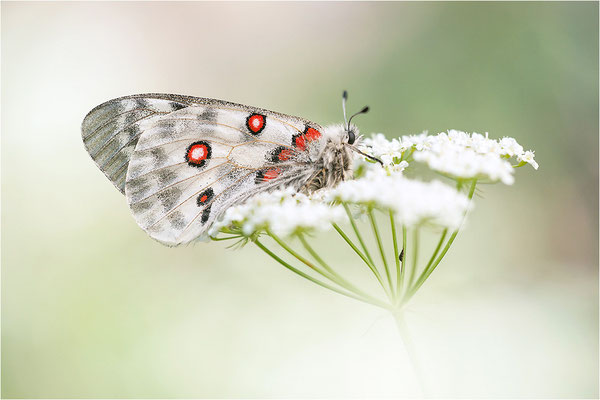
182	161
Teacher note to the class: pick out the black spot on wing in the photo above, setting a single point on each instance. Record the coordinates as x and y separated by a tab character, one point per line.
169	198
165	177
141	206
136	170
138	186
177	106
205	197
260	177
141	102
177	220
205	215
209	114
159	156
166	129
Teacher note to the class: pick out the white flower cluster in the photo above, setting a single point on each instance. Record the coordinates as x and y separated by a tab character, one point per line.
284	212
457	154
386	150
412	202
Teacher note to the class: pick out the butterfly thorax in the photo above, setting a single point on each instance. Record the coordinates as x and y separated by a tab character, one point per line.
333	162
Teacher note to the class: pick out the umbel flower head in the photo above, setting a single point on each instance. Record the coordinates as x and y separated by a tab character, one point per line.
413	205
456	154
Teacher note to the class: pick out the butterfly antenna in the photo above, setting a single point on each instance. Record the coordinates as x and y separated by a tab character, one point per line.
344	99
363	111
347	121
365	154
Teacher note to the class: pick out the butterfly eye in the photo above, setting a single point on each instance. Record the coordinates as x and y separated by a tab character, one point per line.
351	137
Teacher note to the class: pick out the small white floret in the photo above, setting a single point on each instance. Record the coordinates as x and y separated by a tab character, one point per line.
510	147
528	157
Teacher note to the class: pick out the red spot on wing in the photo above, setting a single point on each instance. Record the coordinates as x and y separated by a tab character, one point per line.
197	153
256	123
309	135
301	142
271	174
285	155
312	134
203	198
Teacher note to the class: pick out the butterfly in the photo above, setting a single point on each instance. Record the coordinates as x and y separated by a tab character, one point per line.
181	161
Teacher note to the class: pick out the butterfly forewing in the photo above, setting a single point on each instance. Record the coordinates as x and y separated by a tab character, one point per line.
193	160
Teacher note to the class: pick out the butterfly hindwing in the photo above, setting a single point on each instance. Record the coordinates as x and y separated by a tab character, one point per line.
191	164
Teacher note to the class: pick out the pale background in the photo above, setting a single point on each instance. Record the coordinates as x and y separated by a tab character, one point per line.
91	307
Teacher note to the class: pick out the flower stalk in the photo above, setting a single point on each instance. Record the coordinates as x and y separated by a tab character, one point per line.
367	261
364	299
382	252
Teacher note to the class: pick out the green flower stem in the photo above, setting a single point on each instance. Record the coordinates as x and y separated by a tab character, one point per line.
428	271
300	258
432	259
225	238
364	258
340	278
326	274
315	255
396	254
357	233
437	249
381	250
415	257
403	266
374	302
410	152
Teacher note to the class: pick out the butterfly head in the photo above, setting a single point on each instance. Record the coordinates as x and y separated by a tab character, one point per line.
351	134
351	131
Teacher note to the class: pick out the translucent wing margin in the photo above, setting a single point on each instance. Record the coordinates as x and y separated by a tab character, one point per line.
111	130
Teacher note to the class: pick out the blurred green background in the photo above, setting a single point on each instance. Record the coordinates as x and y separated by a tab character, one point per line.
92	307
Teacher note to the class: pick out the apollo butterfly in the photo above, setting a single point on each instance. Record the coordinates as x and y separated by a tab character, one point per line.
181	161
